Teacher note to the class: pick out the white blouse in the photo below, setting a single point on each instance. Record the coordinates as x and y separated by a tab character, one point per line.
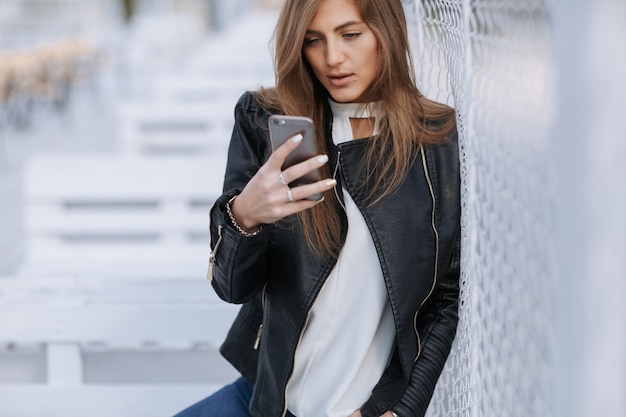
350	334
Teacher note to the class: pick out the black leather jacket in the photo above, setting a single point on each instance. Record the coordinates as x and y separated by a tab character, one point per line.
416	232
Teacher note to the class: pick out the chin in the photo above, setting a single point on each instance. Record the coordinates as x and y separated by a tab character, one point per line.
344	98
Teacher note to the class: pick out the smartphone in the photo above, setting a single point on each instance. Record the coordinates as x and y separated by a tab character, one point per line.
282	128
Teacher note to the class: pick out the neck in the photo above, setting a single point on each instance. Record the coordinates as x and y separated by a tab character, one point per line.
362	127
355	120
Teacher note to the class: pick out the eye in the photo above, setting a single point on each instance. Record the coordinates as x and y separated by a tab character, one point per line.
352	35
312	41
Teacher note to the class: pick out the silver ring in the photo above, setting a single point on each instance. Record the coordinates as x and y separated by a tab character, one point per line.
282	179
290	196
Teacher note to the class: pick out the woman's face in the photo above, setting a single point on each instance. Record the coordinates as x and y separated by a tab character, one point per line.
342	50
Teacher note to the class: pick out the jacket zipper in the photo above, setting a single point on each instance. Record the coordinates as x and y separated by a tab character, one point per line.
209	273
434	227
257	341
306	323
300	336
308	314
335	178
259	331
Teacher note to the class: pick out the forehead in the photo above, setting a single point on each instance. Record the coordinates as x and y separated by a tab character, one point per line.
333	13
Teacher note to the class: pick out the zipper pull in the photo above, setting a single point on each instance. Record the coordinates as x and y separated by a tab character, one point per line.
209	272
258	337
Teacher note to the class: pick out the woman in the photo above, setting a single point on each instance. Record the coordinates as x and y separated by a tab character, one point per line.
349	302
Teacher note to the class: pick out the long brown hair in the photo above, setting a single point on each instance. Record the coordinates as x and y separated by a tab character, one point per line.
411	119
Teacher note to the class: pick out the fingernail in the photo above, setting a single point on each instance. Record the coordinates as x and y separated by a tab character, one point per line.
298	138
322	159
331	182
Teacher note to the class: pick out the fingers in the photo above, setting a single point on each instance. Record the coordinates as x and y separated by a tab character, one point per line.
268	197
300	201
304	192
299	170
263	205
278	157
294	172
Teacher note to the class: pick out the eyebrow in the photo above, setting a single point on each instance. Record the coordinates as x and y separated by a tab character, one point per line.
338	28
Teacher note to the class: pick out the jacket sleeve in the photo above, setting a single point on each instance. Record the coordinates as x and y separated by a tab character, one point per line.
438	329
237	265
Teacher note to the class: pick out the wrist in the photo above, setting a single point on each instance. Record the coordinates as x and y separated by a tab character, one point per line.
241	227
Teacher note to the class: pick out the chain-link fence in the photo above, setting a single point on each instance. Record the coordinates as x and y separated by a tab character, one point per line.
534	84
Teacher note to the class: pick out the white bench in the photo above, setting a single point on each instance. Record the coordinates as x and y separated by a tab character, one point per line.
111	313
169	128
73	347
119	216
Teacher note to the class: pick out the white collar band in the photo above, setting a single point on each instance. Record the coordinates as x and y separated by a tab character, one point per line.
343	112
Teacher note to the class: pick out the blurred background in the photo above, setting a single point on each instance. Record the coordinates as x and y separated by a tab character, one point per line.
115	118
119	79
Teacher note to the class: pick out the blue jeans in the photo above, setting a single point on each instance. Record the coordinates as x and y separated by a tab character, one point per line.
231	401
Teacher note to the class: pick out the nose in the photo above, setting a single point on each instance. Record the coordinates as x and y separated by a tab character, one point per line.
334	53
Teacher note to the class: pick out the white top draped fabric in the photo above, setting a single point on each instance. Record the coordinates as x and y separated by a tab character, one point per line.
350	333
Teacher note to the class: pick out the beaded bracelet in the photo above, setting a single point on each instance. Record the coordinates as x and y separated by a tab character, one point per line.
234	222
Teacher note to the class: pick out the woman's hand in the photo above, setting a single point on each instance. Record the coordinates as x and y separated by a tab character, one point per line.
267	197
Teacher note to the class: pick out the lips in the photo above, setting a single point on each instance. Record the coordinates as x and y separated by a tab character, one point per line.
340	80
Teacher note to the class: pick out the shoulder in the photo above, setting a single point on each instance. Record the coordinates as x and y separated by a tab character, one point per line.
443	159
250	114
263	100
447	143
248	103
